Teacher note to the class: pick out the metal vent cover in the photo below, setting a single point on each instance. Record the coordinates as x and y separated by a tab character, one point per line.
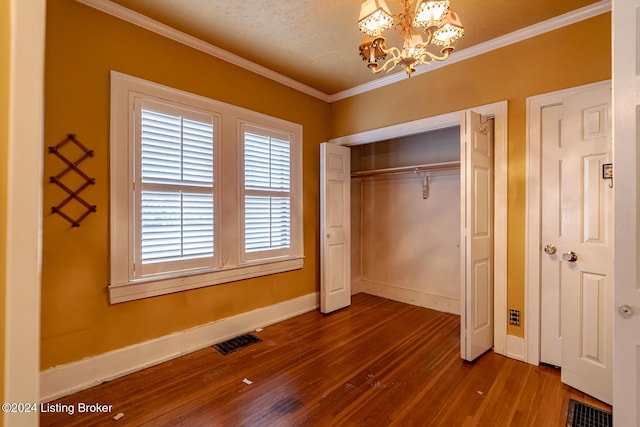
514	317
582	415
236	343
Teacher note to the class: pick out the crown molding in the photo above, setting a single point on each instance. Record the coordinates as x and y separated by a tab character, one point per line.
147	23
569	18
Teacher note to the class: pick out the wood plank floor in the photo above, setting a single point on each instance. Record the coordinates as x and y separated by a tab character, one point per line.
376	363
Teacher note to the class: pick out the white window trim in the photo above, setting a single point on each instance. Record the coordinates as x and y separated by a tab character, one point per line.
229	246
144	289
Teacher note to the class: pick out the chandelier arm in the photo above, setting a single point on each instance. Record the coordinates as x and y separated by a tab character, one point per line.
394	60
391	61
393	51
429	35
418	46
434	57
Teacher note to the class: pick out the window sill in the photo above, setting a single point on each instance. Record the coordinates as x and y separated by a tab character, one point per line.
130	291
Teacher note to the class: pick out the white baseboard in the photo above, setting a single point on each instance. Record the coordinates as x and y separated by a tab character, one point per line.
516	348
356	286
66	379
411	296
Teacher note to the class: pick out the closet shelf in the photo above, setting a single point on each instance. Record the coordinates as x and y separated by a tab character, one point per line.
424	168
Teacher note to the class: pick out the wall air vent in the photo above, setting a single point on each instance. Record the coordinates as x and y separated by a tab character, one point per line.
514	317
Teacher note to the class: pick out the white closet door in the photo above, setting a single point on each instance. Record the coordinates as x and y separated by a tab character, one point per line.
335	219
477	190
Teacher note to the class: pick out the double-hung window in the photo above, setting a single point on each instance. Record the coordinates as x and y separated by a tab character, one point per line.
174	188
267	193
202	192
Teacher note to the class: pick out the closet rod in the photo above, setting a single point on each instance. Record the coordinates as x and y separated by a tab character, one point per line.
430	167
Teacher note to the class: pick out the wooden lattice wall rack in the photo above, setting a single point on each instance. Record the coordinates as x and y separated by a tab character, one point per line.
72	167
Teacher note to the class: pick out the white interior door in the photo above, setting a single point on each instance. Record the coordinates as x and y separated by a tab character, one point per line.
335	247
550	234
626	96
477	230
585	252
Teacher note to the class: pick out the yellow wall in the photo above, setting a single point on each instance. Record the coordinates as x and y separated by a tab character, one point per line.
82	46
568	57
5	57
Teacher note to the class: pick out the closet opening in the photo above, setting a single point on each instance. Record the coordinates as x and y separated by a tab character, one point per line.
405	219
376	238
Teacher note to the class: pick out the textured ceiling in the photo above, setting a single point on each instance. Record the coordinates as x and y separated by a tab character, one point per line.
316	41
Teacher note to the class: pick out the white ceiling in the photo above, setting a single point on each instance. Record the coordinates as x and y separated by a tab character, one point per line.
315	42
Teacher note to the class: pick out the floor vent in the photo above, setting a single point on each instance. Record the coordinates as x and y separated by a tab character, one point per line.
236	343
583	415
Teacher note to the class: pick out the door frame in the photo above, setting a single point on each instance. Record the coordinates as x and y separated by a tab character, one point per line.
533	220
24	208
626	85
498	111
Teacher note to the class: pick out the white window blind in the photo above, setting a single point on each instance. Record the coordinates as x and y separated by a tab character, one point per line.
177	187
267	190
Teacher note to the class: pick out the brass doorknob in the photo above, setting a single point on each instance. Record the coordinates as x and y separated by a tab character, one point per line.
550	249
570	256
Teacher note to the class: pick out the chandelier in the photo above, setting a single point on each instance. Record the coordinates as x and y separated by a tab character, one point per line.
440	25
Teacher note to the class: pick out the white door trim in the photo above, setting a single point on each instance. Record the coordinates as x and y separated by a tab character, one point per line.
533	218
498	111
24	208
626	273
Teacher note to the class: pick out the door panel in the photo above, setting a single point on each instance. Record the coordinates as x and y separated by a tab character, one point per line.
482	211
593	289
595	227
335	197
477	318
336	282
587	284
482	304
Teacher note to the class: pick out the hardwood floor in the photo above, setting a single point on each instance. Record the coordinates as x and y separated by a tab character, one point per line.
376	363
